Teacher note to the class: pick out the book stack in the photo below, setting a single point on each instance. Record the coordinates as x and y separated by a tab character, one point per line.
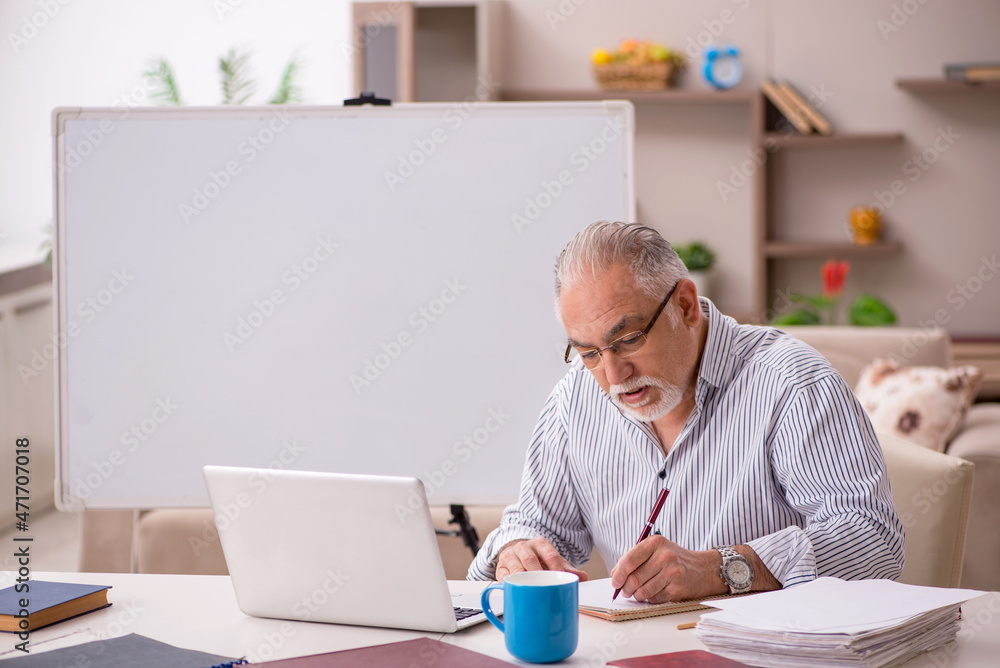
788	104
831	623
972	72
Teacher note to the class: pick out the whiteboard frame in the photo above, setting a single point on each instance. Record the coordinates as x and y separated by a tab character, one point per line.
63	497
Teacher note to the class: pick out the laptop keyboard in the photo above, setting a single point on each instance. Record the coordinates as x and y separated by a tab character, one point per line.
462	613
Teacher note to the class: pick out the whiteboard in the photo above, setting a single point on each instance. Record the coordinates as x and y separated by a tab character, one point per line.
363	290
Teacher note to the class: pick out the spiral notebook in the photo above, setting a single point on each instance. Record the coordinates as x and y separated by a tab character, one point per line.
595	600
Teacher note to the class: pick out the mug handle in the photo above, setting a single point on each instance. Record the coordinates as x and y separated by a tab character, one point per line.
485	600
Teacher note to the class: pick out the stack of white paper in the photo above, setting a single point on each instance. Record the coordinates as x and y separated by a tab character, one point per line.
831	622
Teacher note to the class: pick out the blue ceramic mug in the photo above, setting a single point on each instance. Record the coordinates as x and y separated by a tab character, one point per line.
540	613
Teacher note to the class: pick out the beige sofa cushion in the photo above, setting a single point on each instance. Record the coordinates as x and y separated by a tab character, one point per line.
923	405
851	349
979	443
179	541
932	493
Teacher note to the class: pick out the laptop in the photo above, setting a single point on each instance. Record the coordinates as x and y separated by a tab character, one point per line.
335	548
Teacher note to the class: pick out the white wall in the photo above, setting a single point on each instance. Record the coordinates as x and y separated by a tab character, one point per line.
92	54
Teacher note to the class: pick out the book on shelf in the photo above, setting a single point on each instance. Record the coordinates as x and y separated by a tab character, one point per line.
47	603
421	651
595	600
972	72
784	106
806	110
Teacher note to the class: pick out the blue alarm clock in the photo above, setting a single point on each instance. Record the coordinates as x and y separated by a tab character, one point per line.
723	68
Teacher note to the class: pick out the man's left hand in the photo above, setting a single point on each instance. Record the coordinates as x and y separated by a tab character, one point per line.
657	570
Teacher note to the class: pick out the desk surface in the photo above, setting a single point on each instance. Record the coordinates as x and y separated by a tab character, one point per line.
200	612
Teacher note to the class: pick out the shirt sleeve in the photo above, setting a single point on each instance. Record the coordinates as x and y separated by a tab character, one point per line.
827	458
547	504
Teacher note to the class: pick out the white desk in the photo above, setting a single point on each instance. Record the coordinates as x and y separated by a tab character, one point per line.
200	612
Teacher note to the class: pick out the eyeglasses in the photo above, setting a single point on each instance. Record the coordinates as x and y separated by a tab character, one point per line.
623	346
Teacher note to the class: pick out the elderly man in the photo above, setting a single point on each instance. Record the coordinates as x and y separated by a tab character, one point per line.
774	471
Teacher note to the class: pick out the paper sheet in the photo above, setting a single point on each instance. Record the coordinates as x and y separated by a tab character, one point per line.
598	593
830	605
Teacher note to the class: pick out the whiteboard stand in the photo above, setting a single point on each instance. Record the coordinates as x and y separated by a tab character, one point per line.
465	530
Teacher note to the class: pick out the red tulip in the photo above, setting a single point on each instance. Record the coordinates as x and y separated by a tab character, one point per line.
834	273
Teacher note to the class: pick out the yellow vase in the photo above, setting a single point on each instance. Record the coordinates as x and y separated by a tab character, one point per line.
865	224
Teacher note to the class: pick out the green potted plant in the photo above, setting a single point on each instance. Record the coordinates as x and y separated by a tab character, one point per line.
234	72
867	310
699	259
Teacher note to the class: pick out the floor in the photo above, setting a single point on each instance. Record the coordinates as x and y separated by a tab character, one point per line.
55	545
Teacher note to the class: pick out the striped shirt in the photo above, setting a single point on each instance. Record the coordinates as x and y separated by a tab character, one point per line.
777	454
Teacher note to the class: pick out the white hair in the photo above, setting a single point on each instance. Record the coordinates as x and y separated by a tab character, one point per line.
649	258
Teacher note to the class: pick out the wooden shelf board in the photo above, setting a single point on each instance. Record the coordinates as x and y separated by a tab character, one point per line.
944	86
793	249
834	140
22	278
982	353
669	96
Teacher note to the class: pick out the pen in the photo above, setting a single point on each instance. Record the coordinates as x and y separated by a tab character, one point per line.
649	524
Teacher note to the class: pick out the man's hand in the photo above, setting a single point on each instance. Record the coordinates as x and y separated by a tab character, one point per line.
658	571
536	554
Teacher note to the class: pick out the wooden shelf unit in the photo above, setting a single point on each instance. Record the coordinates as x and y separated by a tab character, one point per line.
427	51
810	249
935	86
669	96
841	140
766	250
772	250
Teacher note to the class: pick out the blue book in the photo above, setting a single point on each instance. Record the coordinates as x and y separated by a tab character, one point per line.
47	603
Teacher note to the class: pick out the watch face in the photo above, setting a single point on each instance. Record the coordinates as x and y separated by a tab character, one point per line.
738	571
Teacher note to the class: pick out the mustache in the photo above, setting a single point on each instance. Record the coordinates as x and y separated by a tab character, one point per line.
633	384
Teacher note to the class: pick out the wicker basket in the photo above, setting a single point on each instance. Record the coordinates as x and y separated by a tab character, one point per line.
651	76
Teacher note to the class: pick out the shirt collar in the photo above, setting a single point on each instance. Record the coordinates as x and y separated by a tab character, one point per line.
714	364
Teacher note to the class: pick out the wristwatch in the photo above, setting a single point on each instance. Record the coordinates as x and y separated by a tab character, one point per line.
737	572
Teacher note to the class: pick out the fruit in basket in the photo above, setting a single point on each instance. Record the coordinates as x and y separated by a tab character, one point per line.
634	52
600	57
658	53
636	65
628	46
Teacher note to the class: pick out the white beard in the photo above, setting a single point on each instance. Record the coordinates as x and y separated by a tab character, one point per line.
670	398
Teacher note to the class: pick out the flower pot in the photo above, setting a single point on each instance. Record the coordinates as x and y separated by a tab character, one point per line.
702	282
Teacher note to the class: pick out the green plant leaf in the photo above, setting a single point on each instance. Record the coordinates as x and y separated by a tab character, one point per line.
696	256
800	317
820	302
237	86
288	90
165	89
870	311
